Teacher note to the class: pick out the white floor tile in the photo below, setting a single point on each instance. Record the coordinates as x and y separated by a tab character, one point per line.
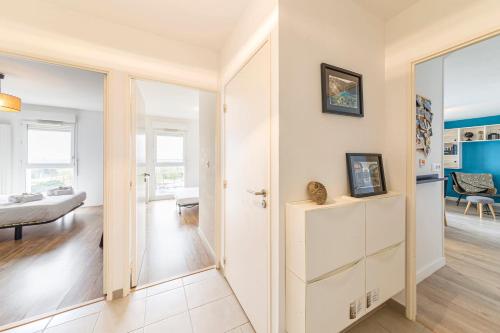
138	294
121	316
160	288
165	305
218	317
33	327
200	276
206	291
176	324
246	328
80	325
76	313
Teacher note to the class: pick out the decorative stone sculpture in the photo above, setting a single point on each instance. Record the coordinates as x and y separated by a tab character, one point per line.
317	192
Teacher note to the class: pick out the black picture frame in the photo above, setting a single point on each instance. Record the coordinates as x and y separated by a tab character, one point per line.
352	85
363	182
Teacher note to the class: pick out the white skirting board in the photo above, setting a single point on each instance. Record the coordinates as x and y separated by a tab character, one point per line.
207	244
430	269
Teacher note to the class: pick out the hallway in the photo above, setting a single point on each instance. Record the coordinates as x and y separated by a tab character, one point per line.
199	303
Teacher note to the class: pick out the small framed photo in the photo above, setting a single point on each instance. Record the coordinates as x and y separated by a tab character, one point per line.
366	174
342	91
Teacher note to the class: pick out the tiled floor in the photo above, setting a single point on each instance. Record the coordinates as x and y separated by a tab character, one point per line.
200	303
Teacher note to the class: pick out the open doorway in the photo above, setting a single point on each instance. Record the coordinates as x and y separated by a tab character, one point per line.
174	230
51	187
458	232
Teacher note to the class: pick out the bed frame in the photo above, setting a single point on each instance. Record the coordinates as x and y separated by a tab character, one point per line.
18	227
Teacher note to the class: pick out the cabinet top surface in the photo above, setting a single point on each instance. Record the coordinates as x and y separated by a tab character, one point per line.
338	201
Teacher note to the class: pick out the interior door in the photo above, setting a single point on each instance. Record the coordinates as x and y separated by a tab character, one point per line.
247	148
141	184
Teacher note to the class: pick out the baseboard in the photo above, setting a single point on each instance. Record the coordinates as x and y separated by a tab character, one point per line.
207	244
430	269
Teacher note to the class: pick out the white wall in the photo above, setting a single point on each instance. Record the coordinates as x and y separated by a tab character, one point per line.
313	144
430	231
207	165
89	138
90	145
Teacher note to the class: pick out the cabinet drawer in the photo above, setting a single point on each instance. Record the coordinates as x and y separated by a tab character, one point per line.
337	301
385	223
385	275
333	238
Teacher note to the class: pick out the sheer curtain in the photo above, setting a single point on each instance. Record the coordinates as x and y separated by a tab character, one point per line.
5	158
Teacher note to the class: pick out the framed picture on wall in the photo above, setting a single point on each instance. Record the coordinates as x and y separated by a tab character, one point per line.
366	174
342	91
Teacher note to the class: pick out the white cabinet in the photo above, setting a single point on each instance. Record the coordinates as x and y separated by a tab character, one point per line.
340	258
385	275
316	235
384	223
332	303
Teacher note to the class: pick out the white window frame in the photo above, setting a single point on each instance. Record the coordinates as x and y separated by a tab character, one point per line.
63	127
156	134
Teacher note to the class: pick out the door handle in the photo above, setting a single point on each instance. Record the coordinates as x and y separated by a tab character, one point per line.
261	192
147	174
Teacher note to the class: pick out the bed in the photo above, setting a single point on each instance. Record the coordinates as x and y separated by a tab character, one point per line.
49	209
186	197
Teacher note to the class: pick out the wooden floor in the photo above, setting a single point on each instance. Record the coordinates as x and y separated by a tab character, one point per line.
389	318
55	265
464	296
173	245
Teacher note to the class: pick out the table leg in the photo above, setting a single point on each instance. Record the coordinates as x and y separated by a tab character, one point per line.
467	208
490	206
480	208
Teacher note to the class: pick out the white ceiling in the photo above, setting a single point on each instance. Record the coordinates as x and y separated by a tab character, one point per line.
52	85
168	100
386	9
472	81
206	23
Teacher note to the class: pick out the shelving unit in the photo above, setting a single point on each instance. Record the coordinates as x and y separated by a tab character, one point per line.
455	137
480	133
452	158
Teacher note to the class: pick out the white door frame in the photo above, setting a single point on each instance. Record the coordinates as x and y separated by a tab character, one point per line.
272	198
106	126
411	217
218	199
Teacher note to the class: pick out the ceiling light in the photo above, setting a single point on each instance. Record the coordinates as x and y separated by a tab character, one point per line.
9	103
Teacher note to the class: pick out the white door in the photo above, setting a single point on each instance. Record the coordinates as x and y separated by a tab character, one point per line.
247	148
140	188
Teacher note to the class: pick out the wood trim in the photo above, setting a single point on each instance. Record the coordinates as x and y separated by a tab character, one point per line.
411	282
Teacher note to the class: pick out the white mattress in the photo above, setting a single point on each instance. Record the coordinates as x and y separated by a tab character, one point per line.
187	196
40	211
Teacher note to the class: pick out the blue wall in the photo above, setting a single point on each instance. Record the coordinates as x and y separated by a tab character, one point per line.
477	157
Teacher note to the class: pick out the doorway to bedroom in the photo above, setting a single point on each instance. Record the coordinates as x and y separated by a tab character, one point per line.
51	187
174	188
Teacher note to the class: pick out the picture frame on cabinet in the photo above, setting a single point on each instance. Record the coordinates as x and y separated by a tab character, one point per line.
366	174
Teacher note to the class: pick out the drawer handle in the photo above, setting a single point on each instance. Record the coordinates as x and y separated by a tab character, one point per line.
387	249
335	271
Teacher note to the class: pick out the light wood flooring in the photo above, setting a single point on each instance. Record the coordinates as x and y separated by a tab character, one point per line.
54	266
173	245
464	296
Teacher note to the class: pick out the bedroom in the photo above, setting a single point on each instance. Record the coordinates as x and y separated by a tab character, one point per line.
51	187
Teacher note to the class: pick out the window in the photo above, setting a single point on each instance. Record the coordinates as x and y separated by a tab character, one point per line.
169	162
50	157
